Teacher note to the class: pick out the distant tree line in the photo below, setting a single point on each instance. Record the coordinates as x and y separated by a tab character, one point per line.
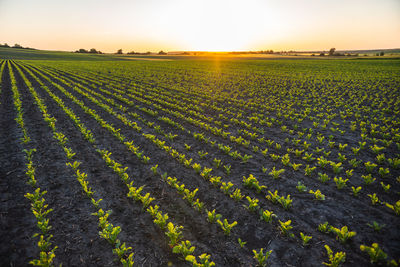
91	51
251	52
15	46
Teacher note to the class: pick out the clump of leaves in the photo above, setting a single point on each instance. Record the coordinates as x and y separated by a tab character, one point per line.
335	260
375	253
262	257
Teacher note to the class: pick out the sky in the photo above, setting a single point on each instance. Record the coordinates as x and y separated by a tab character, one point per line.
201	25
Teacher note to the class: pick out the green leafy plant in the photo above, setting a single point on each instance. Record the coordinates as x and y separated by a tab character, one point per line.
301	187
340	182
212	216
323	177
395	207
385	187
317	194
285	228
267	216
174	234
236	195
261	257
241	243
335	260
253	203
356	190
342	234
305	238
276	173
184	247
324	228
308	170
252	182
375	253
374	198
376	226
226	226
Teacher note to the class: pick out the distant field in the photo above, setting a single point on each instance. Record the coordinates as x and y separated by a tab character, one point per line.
232	158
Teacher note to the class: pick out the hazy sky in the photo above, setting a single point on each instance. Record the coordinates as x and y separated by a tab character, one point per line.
171	25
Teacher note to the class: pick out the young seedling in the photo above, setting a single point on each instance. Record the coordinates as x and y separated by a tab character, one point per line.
335	260
253	203
356	190
308	170
295	166
323	177
301	187
185	248
261	257
395	207
343	234
236	195
267	216
206	173
324	228
317	194
375	253
161	220
174	233
368	179
212	216
376	226
340	182
349	173
369	166
226	187
196	167
264	170
227	169
217	162
252	182
241	243
215	180
305	238
202	154
154	169
385	187
383	172
374	198
286	203
226	227
276	173
285	228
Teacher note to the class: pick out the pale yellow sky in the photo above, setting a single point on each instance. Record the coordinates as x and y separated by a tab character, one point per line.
213	25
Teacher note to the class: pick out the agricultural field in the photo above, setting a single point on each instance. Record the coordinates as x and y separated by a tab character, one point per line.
200	162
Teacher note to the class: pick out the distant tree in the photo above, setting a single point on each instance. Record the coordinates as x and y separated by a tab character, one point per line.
17	46
82	50
93	51
147	53
322	54
162	53
382	54
119	51
313	55
332	51
131	53
6	45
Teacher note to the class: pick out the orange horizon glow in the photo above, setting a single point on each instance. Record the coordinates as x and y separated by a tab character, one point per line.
187	25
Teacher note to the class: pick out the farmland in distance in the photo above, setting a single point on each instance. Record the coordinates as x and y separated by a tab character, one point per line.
180	162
